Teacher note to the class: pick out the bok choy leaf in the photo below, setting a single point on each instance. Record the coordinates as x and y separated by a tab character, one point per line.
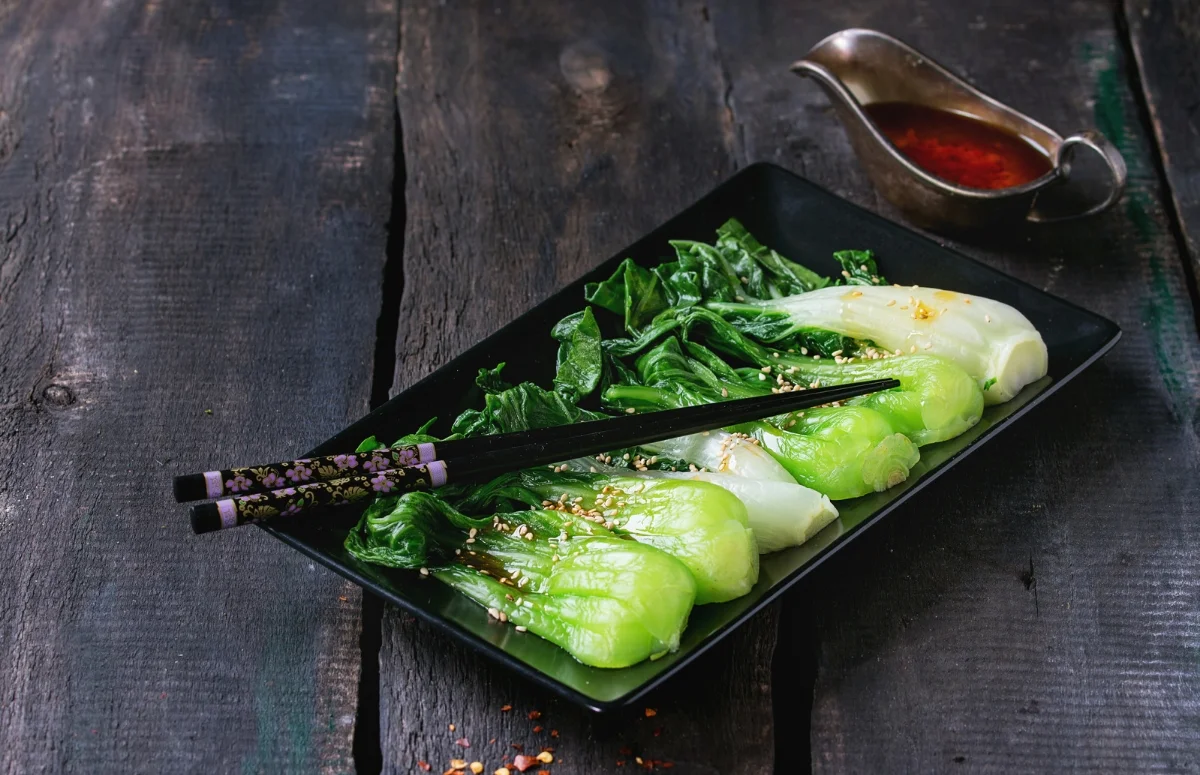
608	601
701	524
991	341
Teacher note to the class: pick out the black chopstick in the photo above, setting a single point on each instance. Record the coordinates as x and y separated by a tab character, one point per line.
625	431
504	452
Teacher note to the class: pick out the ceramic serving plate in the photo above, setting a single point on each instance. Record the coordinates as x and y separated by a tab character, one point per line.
801	221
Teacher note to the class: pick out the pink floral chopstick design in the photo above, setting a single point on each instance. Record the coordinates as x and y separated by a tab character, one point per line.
297	473
289	501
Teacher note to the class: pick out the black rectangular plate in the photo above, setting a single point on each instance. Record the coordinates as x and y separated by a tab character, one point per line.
801	221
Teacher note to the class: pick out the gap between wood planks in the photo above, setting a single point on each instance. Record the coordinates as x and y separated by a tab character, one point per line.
367	749
1170	204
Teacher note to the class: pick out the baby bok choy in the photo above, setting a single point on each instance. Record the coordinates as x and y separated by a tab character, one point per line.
844	451
702	525
936	399
780	512
606	600
841	451
991	341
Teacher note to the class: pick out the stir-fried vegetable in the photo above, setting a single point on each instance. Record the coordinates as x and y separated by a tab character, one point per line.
780	512
841	451
613	550
701	524
609	601
991	341
936	399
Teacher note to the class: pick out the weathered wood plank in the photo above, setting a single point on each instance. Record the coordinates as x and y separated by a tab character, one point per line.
933	650
538	140
192	201
1165	36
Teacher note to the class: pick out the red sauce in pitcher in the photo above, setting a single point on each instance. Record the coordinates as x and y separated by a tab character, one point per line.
958	149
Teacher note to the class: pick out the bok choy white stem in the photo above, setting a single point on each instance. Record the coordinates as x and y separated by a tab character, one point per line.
993	342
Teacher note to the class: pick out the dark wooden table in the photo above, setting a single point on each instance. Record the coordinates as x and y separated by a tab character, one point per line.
234	226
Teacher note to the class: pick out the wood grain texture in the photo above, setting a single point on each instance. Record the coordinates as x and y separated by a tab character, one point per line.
190	193
1165	37
538	140
937	652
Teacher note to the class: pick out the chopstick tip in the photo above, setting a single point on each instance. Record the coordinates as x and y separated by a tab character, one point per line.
205	518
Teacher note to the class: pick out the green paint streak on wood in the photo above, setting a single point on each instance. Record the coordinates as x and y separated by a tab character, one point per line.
1160	311
282	702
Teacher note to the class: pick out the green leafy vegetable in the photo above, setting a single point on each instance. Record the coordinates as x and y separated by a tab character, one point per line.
523	407
936	399
843	452
701	524
580	357
858	267
986	338
632	291
780	512
609	602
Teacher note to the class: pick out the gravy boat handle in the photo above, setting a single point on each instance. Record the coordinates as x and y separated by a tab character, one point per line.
1112	159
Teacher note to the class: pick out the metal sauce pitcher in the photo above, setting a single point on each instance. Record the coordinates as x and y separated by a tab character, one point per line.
858	67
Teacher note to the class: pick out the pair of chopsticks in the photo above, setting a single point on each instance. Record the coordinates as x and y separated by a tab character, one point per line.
289	488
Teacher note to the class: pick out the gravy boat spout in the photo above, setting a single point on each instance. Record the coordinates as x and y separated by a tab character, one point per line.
858	67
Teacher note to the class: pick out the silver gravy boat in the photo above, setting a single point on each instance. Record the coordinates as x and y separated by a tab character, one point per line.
858	67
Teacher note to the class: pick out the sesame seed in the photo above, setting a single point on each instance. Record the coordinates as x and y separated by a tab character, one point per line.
518	628
855	294
724	392
472	532
912	349
545	757
891	303
776	355
762	377
928	345
987	318
739	298
424	571
630	410
470	540
745	280
766	369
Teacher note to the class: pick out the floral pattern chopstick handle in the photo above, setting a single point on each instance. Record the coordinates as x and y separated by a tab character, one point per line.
289	501
296	473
